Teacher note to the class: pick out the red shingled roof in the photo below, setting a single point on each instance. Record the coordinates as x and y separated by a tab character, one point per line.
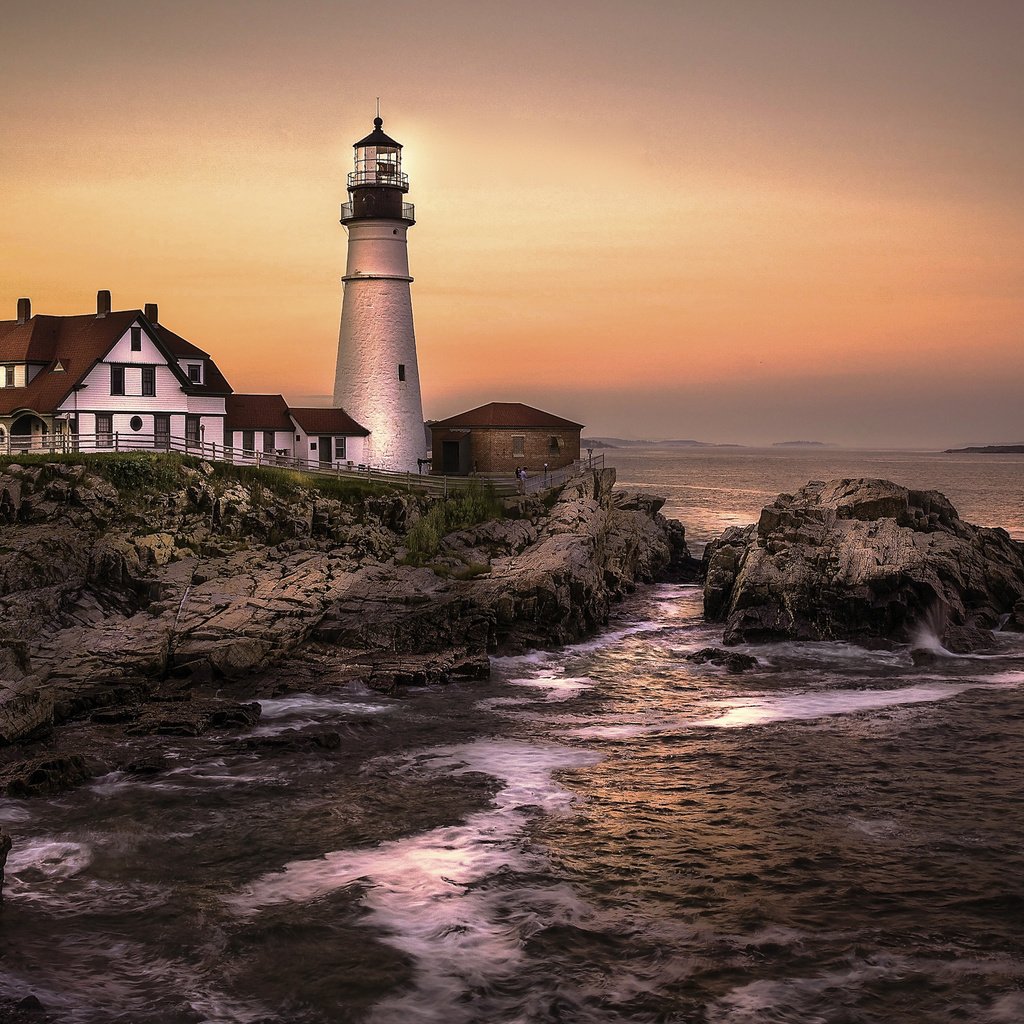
327	421
511	415
257	412
77	342
214	382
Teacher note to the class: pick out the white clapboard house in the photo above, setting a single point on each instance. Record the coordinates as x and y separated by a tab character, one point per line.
107	376
119	380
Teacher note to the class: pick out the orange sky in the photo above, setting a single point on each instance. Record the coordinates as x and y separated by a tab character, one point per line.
746	221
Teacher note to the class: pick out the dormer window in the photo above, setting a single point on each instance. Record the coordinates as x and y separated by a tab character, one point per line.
195	373
136	339
58	367
8	376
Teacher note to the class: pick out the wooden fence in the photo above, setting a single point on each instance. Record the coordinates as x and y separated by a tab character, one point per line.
116	441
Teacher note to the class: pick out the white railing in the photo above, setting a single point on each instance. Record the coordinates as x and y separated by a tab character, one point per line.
118	441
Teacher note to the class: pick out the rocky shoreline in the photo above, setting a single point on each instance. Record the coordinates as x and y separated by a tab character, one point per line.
868	561
131	616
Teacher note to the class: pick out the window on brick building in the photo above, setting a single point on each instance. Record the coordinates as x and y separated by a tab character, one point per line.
554	444
518	444
401	371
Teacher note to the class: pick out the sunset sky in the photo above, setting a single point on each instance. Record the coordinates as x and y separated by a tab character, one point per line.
750	221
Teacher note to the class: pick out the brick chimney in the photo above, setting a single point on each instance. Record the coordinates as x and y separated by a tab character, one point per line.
102	303
24	310
152	312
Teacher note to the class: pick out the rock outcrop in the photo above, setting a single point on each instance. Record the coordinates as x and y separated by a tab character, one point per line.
860	559
114	605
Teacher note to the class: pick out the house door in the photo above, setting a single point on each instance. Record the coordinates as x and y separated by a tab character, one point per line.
450	456
162	431
326	447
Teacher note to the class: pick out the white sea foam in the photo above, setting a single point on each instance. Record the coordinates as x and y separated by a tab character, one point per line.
300	710
440	896
557	688
36	869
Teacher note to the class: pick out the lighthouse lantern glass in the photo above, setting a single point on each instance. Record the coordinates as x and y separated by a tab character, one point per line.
378	165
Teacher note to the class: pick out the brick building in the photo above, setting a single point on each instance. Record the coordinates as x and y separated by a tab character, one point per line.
499	436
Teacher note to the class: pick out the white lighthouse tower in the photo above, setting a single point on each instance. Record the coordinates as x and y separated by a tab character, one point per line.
377	380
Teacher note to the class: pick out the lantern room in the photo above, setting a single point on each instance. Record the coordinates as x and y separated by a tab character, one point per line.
378	161
377	185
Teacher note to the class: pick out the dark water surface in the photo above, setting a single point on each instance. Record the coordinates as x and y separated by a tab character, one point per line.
602	833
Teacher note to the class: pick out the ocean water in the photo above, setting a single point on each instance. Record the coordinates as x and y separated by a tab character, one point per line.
604	832
709	489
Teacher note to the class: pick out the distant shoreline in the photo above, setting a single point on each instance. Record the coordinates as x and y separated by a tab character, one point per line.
988	449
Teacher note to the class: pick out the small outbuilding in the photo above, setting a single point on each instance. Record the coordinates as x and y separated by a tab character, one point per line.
499	436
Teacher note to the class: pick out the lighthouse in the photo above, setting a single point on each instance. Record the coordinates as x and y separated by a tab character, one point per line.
377	380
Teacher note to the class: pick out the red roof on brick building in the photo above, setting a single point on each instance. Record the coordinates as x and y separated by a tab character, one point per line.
508	415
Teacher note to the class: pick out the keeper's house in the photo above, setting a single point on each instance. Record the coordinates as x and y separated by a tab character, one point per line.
120	380
109	375
499	436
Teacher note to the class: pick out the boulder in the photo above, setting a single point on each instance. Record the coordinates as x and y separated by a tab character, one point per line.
732	661
44	776
862	559
24	715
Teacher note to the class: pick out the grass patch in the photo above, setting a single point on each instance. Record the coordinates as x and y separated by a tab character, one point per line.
142	472
287	482
476	503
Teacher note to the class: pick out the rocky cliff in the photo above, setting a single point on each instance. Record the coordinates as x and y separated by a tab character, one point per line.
859	559
132	608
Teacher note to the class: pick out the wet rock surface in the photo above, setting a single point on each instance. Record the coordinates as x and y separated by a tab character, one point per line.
128	616
863	559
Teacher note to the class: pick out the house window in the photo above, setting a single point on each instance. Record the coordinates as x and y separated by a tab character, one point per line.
8	376
191	430
195	373
249	440
136	339
117	380
268	442
401	371
104	430
135	423
518	444
339	448
149	380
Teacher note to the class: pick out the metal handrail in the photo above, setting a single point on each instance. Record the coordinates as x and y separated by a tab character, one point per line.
117	441
375	177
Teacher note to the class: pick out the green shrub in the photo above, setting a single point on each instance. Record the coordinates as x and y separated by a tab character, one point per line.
473	504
